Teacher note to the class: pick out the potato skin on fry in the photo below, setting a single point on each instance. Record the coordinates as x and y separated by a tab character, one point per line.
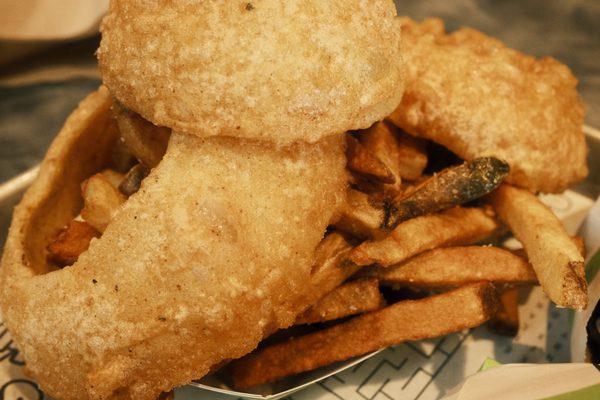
455	226
335	67
554	255
455	266
462	308
475	96
356	297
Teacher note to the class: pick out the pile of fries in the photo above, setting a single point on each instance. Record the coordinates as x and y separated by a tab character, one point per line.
416	252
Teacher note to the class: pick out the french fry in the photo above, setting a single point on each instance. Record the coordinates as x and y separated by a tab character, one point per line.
70	242
133	179
359	217
146	141
452	186
362	161
580	243
506	321
113	177
381	141
100	201
351	298
328	272
452	227
412	156
557	261
456	266
434	316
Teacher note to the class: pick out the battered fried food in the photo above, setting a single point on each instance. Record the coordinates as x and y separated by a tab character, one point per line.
197	250
212	68
475	96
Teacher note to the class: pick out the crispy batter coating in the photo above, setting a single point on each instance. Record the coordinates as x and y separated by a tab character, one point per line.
214	250
472	94
265	69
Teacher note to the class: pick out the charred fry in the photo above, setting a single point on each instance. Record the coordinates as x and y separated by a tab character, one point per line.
557	261
453	186
462	308
352	298
456	226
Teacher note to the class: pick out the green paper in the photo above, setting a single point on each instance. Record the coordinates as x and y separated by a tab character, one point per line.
592	267
488	364
588	393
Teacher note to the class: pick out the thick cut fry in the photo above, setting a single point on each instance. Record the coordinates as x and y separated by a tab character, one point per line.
133	179
70	242
100	201
146	141
328	271
456	226
554	256
580	244
359	217
451	187
381	141
506	321
457	266
113	176
352	298
412	156
462	308
362	161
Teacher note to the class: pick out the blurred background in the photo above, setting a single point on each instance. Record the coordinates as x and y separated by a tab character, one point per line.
47	62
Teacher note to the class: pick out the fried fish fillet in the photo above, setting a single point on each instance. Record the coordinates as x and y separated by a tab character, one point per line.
214	250
475	96
270	70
